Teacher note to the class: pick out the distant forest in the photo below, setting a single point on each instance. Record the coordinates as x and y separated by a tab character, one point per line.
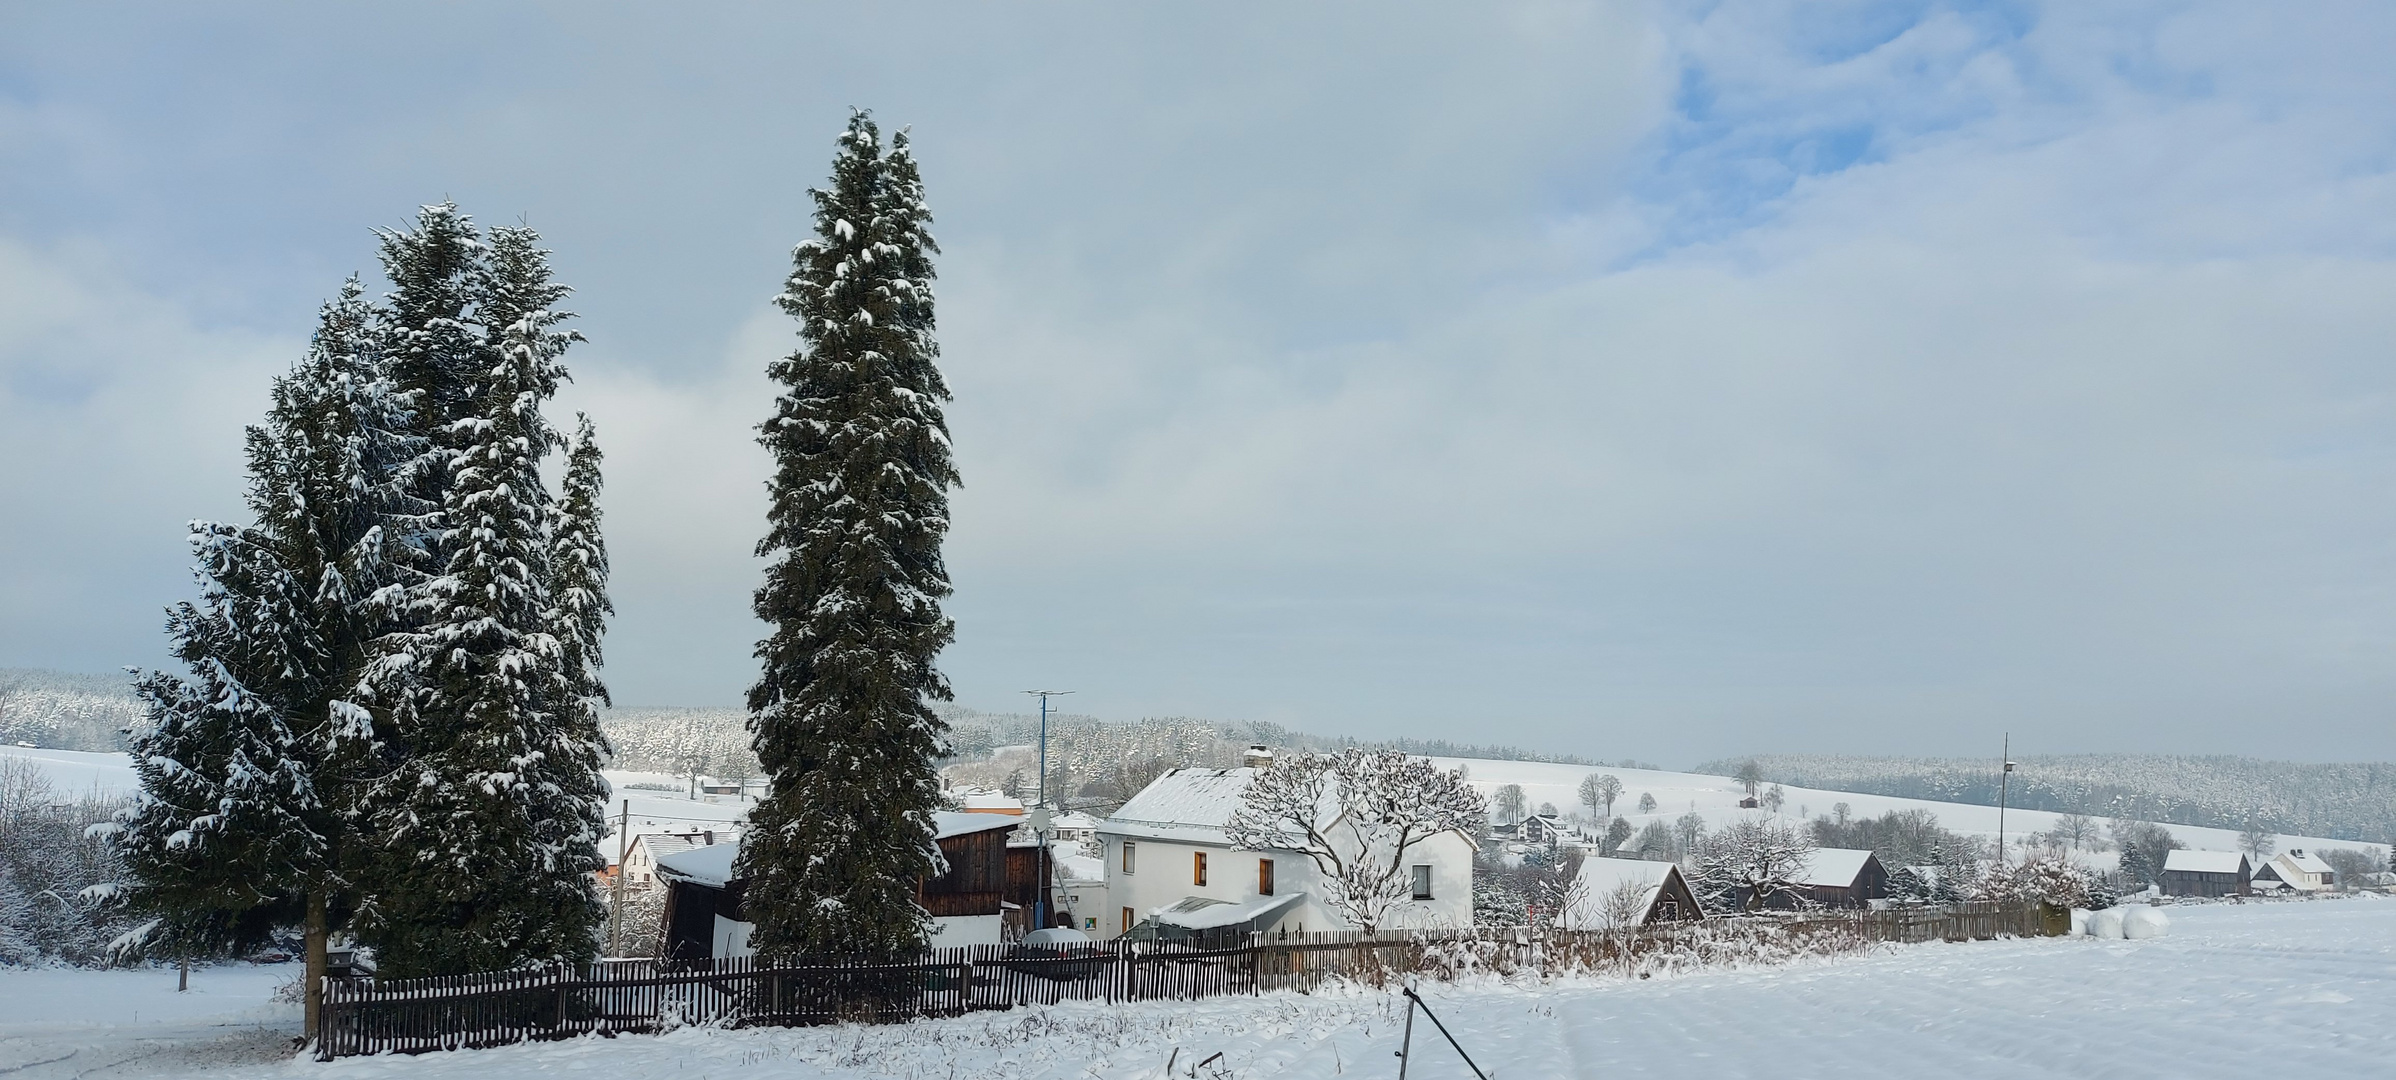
2342	802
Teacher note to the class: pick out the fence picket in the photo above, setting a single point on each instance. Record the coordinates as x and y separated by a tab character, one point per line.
367	1016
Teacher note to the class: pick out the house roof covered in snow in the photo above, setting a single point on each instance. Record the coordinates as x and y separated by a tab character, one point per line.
1073	819
710	866
1206	913
2306	861
2205	862
1189	805
1599	878
1834	867
659	845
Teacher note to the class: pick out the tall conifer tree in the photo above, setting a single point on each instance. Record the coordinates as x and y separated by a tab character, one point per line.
253	764
841	716
491	825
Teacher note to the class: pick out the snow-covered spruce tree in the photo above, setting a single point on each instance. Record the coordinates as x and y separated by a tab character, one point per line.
489	828
252	764
841	716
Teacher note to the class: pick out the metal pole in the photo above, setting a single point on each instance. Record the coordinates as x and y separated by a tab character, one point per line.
2004	780
1406	1043
615	915
1040	884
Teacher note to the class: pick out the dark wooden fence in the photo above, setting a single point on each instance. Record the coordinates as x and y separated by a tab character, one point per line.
366	1016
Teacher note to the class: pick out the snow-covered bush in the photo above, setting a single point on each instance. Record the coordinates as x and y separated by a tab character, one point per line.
47	860
2044	881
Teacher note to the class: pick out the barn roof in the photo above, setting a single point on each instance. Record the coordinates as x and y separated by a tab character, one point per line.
1834	867
2204	862
1600	877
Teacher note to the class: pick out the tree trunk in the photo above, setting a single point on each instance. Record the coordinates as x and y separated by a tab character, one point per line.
317	933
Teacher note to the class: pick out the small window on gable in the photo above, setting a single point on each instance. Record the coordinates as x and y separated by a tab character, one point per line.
1197	868
1422	881
1129	849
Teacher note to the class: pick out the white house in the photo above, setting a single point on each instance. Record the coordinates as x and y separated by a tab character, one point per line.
1167	858
2296	870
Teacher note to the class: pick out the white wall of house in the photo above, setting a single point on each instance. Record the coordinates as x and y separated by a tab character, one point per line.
1164	872
951	931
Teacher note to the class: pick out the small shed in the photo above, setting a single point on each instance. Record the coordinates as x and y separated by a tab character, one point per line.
1663	894
1839	878
2206	873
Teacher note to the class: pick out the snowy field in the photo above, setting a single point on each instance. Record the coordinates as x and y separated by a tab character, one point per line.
2234	991
1716	798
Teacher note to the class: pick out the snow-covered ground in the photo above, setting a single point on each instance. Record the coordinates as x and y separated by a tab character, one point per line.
2235	991
1716	798
62	1022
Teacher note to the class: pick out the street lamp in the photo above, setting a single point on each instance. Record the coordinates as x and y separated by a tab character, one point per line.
1040	816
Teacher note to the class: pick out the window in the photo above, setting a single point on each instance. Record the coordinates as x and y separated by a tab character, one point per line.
1127	923
1129	849
1264	877
1197	868
1422	881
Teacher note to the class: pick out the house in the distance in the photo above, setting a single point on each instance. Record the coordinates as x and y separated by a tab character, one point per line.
640	859
1171	870
2205	873
707	914
1651	892
2294	870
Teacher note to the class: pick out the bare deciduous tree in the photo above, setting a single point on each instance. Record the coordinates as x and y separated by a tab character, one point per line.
1510	804
1750	863
1356	814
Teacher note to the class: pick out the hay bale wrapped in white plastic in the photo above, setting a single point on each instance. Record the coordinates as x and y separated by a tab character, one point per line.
2080	921
2145	922
2106	923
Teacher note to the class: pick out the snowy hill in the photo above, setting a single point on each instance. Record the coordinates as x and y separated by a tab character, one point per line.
2349	802
62	710
1716	799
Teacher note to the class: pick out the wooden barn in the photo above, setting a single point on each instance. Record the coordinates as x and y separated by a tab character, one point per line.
2206	873
707	911
1839	878
1660	893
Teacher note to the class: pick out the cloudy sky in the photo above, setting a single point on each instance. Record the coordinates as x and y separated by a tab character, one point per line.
1657	379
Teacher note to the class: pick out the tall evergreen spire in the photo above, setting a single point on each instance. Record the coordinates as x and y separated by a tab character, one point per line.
491	827
841	715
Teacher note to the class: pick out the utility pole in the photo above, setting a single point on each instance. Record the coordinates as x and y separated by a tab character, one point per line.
2004	779
615	915
1040	816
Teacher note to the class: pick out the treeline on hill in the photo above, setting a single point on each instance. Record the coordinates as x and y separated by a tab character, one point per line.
1098	764
64	710
2347	802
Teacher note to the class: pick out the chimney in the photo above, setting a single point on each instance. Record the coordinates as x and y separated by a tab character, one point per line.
710	835
1258	756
